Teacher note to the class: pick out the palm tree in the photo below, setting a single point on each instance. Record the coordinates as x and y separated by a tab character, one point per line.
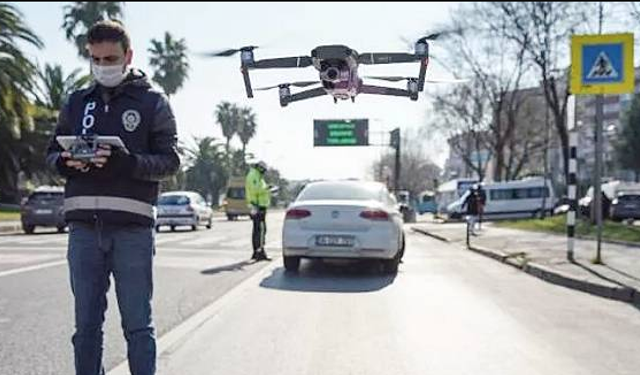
169	58
81	15
54	87
247	128
227	116
206	173
16	80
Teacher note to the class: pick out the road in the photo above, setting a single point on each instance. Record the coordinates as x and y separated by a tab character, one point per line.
192	269
448	311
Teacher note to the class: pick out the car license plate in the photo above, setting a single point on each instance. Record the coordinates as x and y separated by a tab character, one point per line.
44	212
340	241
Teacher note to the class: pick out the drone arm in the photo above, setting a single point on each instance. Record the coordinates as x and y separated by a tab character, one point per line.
282	62
313	93
247	81
386	58
424	63
379	90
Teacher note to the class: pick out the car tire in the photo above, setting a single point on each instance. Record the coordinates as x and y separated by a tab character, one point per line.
230	217
61	229
209	223
194	227
173	228
291	264
157	229
390	266
29	229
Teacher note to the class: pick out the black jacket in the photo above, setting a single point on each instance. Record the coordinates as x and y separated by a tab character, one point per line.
124	191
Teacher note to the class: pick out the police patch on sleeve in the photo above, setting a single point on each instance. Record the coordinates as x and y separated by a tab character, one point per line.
131	120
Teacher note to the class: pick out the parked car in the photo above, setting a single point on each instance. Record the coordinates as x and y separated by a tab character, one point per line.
625	206
43	208
179	208
343	219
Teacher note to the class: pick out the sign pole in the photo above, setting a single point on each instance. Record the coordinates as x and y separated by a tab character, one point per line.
597	185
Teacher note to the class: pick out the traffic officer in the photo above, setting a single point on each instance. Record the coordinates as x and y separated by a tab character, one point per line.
258	197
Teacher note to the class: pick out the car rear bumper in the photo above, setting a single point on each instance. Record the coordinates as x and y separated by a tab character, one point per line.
175	221
44	221
339	252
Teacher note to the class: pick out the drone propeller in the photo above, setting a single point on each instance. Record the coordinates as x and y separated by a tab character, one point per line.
398	78
227	52
433	36
296	84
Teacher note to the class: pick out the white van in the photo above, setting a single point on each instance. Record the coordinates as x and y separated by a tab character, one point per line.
529	197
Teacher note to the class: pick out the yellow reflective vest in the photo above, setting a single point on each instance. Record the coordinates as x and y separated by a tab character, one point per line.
256	189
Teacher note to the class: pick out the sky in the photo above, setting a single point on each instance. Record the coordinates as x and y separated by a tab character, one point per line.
284	137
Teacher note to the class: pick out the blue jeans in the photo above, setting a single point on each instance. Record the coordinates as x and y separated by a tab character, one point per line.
95	252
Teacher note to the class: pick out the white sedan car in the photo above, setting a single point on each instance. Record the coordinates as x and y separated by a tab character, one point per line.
178	208
343	219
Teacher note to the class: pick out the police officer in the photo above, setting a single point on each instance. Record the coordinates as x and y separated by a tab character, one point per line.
109	200
258	197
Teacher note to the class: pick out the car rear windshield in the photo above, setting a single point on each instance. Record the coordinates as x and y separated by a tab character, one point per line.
46	198
340	192
235	193
173	200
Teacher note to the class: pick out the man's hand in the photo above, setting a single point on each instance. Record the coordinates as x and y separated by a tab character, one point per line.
77	164
102	155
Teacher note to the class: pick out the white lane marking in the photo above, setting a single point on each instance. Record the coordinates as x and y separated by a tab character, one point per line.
33	268
187	327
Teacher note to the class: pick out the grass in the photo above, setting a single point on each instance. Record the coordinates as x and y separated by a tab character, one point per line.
557	224
9	215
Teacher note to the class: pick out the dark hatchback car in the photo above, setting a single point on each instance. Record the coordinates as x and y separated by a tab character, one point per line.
626	206
43	208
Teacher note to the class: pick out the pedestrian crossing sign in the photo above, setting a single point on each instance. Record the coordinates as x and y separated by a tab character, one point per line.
602	64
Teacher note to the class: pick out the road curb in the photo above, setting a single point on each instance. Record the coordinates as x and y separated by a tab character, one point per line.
618	293
427	233
10	228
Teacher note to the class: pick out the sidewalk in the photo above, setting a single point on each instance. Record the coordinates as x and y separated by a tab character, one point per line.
545	256
10	226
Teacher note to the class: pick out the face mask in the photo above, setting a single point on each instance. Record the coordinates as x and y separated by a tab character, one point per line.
108	76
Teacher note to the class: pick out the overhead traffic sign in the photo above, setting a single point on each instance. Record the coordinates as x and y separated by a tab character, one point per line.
602	64
342	132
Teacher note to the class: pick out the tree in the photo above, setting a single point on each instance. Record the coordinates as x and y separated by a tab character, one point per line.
627	151
476	50
54	86
169	58
542	29
464	114
205	172
228	117
16	81
247	128
81	15
418	172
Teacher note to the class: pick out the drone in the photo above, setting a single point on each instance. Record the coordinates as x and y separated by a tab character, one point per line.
338	69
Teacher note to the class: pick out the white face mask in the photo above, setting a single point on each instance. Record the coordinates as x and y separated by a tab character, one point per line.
108	76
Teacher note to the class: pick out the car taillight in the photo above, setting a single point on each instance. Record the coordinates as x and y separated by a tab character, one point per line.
374	215
297	214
